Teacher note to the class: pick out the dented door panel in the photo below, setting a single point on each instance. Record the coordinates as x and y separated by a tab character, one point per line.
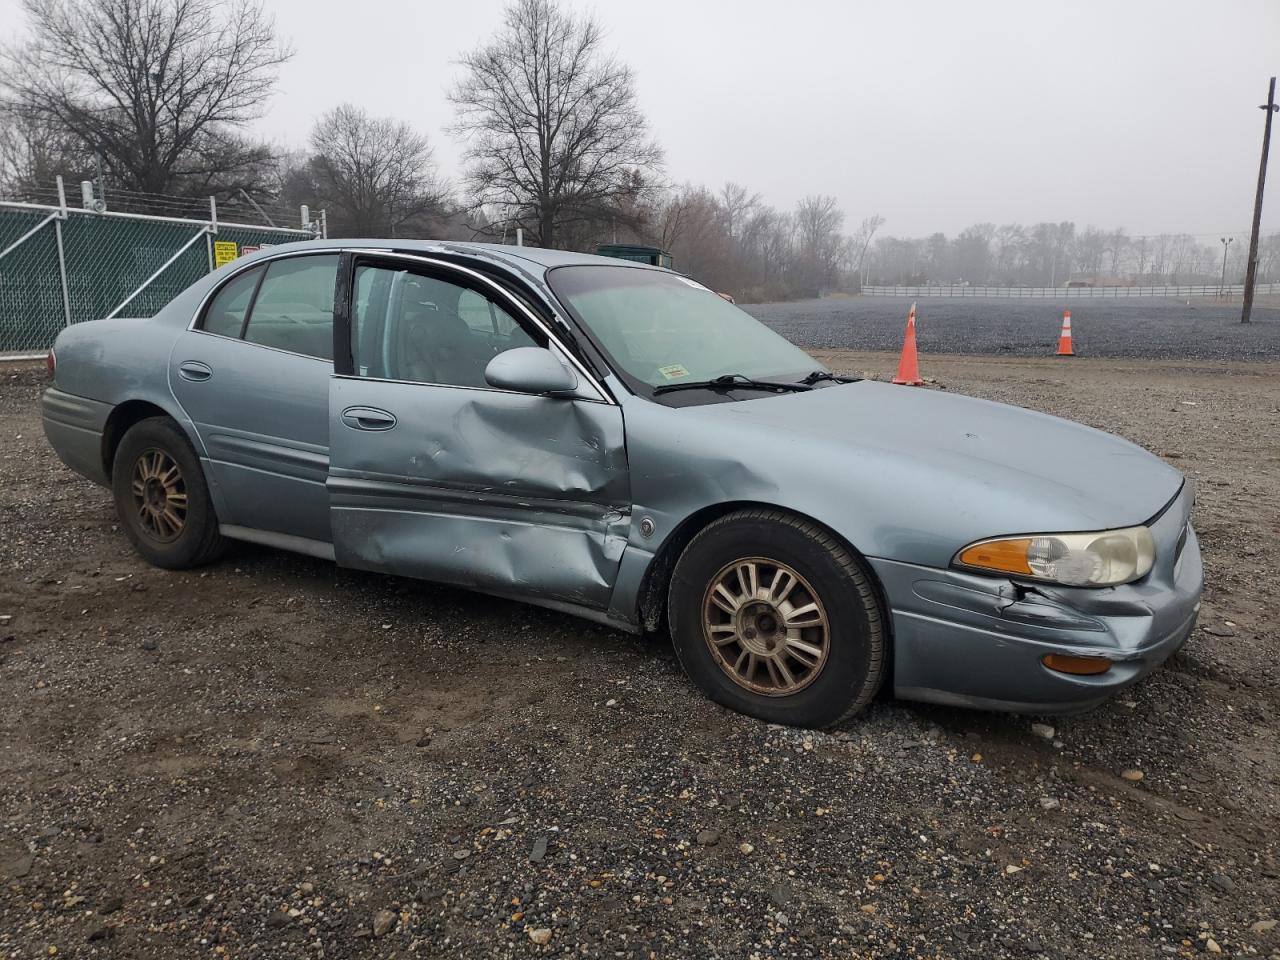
500	491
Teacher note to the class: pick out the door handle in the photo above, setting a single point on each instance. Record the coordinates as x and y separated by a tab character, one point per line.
194	370
368	418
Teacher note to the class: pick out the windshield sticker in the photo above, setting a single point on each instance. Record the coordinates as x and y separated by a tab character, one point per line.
674	371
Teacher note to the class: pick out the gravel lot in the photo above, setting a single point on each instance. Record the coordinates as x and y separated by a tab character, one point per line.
275	758
1162	329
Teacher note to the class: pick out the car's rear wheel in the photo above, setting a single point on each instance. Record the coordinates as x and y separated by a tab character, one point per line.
162	498
774	617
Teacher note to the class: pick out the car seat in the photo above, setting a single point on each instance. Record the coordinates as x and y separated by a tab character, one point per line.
435	343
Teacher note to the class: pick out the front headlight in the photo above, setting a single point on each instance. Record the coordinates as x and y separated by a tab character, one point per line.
1073	559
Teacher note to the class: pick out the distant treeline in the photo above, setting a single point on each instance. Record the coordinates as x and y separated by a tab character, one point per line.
1051	254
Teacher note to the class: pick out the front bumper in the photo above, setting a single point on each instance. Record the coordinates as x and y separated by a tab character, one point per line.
978	641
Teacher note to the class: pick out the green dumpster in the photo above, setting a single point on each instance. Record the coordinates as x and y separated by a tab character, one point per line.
640	254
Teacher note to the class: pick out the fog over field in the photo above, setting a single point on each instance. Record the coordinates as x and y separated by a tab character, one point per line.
1200	329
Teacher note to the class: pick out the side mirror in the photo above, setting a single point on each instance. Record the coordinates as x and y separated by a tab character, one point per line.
530	370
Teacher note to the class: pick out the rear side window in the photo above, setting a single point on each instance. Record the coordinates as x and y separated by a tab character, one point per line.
226	313
294	307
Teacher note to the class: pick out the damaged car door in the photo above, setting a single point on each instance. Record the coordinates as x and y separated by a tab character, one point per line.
436	474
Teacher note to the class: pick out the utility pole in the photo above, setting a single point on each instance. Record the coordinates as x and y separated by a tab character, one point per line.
1226	242
1251	268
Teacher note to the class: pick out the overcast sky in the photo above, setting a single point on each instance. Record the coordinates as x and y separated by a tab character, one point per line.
933	113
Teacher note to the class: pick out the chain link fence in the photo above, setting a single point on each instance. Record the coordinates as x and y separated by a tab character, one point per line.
60	265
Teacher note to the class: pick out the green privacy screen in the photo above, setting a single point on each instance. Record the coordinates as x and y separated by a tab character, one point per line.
108	260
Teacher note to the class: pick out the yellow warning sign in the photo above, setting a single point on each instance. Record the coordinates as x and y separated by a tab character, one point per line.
224	251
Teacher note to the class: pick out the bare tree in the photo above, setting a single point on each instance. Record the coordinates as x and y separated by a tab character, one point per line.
1182	252
768	241
552	125
861	241
1117	244
34	152
157	88
1088	249
734	242
1268	257
692	227
818	220
376	175
736	204
972	254
1162	245
1011	247
1141	256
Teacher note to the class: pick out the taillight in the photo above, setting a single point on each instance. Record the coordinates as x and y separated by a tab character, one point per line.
51	363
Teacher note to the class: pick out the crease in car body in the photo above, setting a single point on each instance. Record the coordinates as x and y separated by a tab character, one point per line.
533	491
577	565
482	450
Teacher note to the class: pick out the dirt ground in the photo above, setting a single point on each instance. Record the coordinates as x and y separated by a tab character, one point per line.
275	758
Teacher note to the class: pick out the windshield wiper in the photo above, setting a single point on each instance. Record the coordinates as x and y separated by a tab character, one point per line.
732	381
821	376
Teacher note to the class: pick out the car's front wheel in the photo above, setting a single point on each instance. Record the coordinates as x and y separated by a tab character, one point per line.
162	498
774	617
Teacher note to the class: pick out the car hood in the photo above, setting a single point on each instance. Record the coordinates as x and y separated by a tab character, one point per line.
950	457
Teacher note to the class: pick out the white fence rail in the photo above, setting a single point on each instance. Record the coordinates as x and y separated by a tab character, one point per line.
1072	293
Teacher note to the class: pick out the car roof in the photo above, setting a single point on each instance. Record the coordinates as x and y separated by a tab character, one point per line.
519	258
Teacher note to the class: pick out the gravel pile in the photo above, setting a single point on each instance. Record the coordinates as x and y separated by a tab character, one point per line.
1153	329
275	758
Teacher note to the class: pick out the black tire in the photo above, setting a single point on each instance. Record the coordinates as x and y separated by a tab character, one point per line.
197	540
855	661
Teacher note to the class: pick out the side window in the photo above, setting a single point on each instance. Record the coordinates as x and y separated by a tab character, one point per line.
294	307
408	326
485	316
226	312
478	313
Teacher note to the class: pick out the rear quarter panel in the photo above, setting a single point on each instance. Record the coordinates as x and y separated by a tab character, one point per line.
110	361
127	358
100	365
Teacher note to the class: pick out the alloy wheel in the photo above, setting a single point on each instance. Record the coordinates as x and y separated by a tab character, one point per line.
159	495
766	626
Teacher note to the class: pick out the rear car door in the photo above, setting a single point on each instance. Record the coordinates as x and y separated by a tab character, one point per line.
435	474
252	374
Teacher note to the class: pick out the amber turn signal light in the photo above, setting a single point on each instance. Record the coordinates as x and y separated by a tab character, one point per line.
1081	666
1007	555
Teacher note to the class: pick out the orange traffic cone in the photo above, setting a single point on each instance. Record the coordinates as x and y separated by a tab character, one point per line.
1064	338
908	368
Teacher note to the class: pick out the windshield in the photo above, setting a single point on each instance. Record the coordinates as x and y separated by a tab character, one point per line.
660	328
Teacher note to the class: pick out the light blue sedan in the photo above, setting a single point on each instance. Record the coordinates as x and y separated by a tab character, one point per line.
618	442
